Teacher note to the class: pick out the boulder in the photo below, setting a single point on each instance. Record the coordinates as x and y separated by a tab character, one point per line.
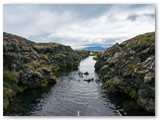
86	73
149	77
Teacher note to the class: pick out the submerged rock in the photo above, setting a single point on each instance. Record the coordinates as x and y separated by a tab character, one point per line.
86	73
89	80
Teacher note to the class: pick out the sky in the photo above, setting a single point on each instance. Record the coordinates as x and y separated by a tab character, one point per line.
79	25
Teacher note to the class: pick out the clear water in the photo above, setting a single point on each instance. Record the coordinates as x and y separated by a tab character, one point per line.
71	96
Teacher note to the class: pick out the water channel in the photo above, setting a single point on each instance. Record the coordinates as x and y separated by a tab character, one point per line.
73	95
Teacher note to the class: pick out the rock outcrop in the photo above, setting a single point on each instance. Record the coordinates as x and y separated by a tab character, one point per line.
129	68
27	64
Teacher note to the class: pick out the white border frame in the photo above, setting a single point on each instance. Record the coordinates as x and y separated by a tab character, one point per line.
157	2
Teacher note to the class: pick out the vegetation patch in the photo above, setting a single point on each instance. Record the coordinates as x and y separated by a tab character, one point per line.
60	55
133	93
5	102
10	77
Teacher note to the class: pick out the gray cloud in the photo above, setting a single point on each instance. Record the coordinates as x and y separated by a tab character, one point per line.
152	16
81	11
78	25
134	17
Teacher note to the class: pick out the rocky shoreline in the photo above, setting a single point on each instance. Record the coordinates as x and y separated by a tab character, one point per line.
129	68
27	64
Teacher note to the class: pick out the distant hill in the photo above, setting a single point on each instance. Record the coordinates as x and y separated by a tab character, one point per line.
99	47
95	48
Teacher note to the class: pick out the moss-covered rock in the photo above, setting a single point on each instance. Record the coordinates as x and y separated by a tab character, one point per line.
10	86
46	70
52	79
10	77
130	105
5	102
149	77
133	93
28	64
129	67
60	55
83	53
114	84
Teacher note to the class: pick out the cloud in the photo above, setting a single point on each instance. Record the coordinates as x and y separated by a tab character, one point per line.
79	11
134	17
79	25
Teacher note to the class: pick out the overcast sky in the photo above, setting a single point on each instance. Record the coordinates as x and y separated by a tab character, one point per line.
79	25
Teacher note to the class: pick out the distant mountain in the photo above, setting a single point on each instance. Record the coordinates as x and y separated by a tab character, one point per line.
98	47
95	48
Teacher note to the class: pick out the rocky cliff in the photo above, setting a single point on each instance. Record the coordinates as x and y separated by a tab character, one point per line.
27	64
129	68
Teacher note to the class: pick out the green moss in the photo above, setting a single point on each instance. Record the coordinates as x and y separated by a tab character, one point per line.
10	77
141	40
133	93
10	87
45	48
60	55
114	84
19	89
41	46
5	102
7	91
130	69
151	37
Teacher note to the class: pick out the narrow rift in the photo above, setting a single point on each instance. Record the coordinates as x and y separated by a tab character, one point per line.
73	95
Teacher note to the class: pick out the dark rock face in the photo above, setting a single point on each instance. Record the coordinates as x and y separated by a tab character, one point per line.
83	53
34	64
130	68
